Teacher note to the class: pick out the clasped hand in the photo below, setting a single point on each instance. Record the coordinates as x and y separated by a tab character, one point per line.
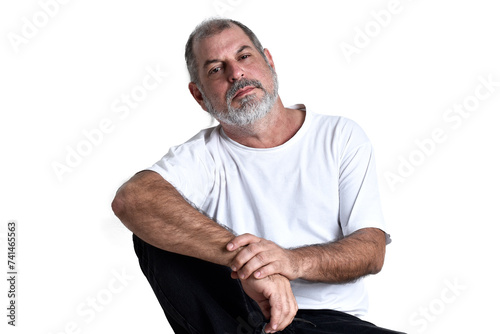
261	258
265	271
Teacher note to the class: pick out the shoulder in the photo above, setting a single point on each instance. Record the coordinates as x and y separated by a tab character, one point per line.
189	167
338	126
197	144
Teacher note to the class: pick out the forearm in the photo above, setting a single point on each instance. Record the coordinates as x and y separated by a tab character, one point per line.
360	254
154	210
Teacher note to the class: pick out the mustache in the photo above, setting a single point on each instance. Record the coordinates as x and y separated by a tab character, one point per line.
242	83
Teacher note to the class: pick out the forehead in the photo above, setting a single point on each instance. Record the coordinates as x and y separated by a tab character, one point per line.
220	45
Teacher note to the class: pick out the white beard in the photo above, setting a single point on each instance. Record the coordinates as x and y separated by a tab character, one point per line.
251	108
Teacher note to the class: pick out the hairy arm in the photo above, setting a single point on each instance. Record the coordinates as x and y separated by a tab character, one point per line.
359	254
154	210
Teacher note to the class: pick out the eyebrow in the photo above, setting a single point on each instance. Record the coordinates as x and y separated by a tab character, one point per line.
211	61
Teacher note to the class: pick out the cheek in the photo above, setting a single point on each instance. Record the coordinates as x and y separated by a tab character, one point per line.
217	93
266	76
268	83
218	98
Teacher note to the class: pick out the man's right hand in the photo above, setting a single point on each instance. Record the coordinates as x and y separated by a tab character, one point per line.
275	298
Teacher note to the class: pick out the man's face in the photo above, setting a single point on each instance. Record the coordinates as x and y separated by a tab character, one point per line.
237	85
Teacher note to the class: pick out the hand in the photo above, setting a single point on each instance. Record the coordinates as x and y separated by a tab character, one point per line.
275	298
260	258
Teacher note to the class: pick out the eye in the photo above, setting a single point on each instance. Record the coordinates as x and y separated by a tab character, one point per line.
214	70
244	56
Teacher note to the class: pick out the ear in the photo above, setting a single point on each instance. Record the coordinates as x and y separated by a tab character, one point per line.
269	58
195	92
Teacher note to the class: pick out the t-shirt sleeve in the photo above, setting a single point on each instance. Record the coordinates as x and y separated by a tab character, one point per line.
359	199
188	168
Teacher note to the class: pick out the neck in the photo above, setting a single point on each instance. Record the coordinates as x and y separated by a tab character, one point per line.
275	129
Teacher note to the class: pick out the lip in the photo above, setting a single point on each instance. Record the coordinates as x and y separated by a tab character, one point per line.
244	91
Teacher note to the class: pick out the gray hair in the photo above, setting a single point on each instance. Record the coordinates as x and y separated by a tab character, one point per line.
207	29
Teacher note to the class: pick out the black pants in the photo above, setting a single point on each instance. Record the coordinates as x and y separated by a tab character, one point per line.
201	297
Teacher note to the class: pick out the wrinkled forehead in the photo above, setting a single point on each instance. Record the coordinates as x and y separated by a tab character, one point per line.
220	44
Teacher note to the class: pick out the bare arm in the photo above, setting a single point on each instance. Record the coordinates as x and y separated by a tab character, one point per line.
361	253
154	210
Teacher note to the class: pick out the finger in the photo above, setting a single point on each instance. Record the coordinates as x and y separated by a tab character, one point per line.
265	263
271	262
286	312
289	310
255	264
289	305
267	270
276	315
292	310
241	241
280	308
245	255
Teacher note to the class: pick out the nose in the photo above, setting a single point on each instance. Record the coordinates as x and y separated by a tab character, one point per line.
235	72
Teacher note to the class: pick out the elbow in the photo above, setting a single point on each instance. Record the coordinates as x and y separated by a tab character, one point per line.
378	260
123	206
118	205
121	202
378	242
377	266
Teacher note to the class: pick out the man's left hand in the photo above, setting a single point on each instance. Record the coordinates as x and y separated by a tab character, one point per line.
261	258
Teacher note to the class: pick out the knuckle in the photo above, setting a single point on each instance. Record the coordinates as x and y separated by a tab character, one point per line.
237	262
261	257
252	248
246	235
269	270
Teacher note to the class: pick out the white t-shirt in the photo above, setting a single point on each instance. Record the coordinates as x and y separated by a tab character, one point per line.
318	187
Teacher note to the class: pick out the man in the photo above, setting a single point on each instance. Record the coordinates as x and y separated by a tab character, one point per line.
266	222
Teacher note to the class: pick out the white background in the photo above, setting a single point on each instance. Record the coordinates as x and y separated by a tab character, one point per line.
65	76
